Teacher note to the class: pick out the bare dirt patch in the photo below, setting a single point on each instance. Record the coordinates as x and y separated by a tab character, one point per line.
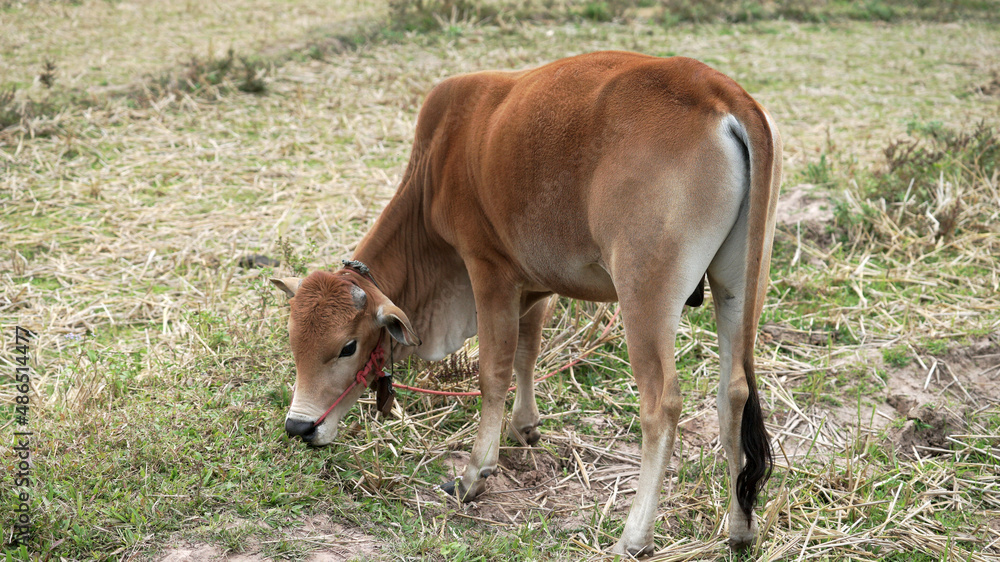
927	429
978	365
699	430
970	373
803	203
806	211
935	393
921	403
192	552
324	539
533	482
572	481
339	542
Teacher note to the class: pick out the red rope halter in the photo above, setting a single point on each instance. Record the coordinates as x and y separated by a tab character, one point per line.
375	363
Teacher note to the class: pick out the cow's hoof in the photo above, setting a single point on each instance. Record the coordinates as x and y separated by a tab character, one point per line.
529	433
632	550
742	541
740	544
456	489
742	533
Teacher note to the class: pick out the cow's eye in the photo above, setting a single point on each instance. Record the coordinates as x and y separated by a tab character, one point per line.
349	349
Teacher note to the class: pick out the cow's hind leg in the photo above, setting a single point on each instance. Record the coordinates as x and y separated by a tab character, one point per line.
651	310
742	432
524	421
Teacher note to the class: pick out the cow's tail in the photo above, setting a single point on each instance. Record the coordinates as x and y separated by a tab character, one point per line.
764	151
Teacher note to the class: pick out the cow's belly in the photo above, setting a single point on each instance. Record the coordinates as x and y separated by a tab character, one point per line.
578	277
589	283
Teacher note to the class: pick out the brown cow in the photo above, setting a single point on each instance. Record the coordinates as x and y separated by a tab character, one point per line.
607	176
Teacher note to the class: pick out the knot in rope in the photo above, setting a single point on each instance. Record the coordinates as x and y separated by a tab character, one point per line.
375	363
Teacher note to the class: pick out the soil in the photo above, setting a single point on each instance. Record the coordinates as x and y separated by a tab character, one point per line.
534	481
806	210
927	428
192	552
934	406
803	203
338	543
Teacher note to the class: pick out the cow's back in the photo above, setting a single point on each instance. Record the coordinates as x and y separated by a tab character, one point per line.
546	167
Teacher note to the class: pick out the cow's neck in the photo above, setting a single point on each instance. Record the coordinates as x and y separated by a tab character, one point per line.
391	247
421	274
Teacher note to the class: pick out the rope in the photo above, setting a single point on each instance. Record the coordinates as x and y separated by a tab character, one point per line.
375	362
607	329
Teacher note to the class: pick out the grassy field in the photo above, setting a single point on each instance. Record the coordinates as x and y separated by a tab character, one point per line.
146	146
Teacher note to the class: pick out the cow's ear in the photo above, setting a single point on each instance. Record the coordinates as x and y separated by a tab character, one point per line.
394	320
290	285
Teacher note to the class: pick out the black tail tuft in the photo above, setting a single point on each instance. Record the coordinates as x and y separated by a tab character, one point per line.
756	445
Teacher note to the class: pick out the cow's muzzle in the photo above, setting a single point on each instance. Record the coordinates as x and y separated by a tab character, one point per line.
298	428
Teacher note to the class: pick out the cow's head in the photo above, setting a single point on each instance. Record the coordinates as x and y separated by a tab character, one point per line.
336	321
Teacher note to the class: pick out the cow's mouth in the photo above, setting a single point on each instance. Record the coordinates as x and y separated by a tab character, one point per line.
301	428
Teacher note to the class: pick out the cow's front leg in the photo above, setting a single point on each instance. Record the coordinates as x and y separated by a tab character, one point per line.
497	309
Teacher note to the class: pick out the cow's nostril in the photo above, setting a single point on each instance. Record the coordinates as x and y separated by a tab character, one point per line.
298	428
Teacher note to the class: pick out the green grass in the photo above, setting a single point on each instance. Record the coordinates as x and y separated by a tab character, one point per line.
818	173
896	356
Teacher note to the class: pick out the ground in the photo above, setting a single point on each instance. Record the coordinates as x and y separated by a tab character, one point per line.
147	147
